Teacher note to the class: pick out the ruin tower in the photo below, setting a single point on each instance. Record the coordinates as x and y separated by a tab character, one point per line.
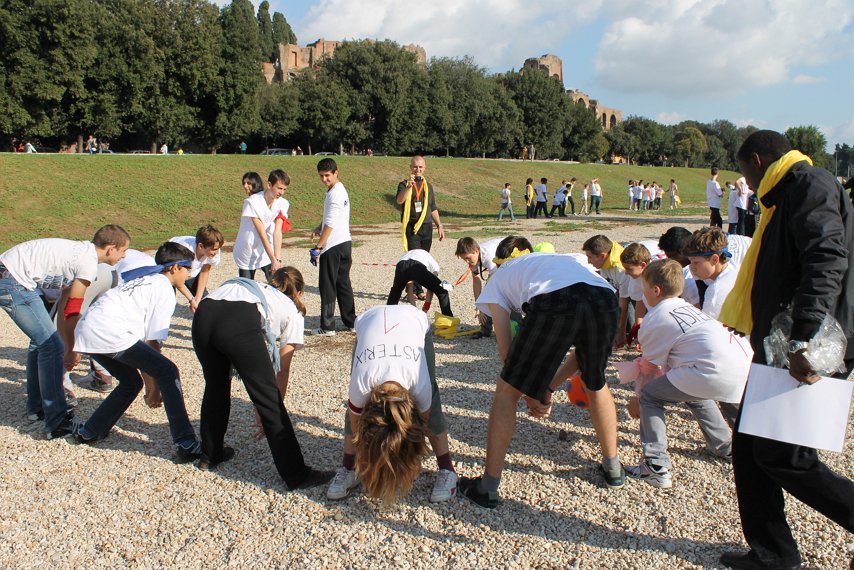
549	63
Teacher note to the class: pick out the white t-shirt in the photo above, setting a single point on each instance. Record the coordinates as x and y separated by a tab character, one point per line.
190	243
737	246
505	196
713	193
286	320
584	193
423	257
542	192
745	189
390	347
690	293
732	206
336	214
51	263
521	279
138	310
134	259
617	279
249	252
719	289
487	254
595	189
705	360
559	197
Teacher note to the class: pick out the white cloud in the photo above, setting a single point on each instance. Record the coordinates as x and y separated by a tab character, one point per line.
496	33
708	48
671	117
808	79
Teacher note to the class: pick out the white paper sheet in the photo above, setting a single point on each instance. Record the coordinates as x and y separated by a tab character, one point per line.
776	406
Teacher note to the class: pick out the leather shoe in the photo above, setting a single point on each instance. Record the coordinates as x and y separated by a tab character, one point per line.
749	561
207	464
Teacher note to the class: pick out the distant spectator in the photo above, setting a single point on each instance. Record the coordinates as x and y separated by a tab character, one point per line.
91	145
713	198
29	148
164	149
242	147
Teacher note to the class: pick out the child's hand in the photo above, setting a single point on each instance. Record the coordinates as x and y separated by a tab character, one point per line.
634	407
153	398
647	367
259	428
194	304
537	409
71	359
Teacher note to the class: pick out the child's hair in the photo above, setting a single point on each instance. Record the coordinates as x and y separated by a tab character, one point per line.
665	274
529	181
707	240
111	234
255	179
635	254
289	281
508	244
597	245
673	241
467	245
170	252
327	165
389	442
714	170
544	180
507	185
573	179
279	175
209	236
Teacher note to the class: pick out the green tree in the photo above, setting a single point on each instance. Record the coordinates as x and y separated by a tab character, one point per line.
584	140
810	141
498	124
623	144
324	109
652	139
544	107
282	32
265	31
690	145
280	112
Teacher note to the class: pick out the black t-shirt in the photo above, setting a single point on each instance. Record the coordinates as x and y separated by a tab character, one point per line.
414	212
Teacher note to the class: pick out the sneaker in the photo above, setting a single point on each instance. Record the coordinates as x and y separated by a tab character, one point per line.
70	399
613	479
750	561
35	417
69	426
321	332
445	487
315	478
206	464
99	385
467	487
189	453
656	475
345	480
351	329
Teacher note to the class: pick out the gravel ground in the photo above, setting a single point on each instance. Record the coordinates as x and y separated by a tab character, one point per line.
124	503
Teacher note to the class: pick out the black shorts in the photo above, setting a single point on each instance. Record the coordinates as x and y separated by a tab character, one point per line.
582	315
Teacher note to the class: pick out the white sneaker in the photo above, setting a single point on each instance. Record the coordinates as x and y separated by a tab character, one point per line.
655	475
445	487
321	332
345	480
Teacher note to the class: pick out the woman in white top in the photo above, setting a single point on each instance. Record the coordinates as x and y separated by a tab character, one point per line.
259	240
229	330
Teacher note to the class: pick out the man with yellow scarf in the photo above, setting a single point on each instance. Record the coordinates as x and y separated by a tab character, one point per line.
418	199
799	257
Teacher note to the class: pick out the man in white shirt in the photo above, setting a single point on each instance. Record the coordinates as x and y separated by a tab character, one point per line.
335	247
542	195
713	198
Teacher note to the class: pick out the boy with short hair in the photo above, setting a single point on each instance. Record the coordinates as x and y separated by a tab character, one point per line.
699	363
709	261
479	258
206	246
120	331
672	243
604	254
418	266
506	203
713	199
53	263
542	195
335	248
566	304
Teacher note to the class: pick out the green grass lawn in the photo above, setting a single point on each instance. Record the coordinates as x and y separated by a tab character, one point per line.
156	197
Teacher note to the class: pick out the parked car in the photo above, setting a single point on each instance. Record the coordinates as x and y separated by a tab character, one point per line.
277	152
139	152
325	153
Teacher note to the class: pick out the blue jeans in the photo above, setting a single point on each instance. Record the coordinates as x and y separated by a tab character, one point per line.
124	366
509	207
44	355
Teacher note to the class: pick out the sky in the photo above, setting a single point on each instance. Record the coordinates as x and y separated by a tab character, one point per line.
773	64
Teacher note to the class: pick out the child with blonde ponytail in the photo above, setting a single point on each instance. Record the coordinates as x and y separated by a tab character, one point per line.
393	405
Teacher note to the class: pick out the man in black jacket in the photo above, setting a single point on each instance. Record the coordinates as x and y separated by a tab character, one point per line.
803	262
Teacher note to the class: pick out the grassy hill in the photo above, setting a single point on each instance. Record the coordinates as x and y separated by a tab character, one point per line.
156	197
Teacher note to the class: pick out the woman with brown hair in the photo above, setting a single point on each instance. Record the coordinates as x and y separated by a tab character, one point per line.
393	405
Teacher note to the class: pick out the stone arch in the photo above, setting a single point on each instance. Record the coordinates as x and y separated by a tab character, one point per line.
604	120
613	121
581	102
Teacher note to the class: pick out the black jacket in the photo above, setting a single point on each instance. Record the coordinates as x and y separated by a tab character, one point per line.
804	258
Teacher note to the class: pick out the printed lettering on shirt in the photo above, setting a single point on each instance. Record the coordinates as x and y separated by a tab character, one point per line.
131	286
54	282
379	351
688	316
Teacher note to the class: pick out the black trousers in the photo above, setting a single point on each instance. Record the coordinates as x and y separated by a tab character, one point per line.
763	468
571	204
230	333
423	238
715	219
411	270
541	206
335	284
250	274
740	228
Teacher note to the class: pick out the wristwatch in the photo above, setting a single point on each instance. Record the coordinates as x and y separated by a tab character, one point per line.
797	345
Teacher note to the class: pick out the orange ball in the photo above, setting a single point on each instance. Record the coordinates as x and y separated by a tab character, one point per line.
575	392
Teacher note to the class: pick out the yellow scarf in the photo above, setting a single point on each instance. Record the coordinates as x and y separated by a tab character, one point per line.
407	210
737	311
513	255
614	257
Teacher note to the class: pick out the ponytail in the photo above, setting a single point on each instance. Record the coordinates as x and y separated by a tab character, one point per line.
289	281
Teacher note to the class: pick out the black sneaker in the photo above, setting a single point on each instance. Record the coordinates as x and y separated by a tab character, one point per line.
467	487
69	426
314	478
188	454
749	561
613	480
206	464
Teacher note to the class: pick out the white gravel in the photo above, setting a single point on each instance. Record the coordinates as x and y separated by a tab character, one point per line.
124	503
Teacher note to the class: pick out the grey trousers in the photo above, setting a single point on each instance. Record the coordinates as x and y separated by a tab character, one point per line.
653	431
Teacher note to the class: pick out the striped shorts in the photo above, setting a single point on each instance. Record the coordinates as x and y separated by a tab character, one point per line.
581	315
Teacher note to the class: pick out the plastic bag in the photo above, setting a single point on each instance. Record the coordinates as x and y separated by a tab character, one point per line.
825	351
